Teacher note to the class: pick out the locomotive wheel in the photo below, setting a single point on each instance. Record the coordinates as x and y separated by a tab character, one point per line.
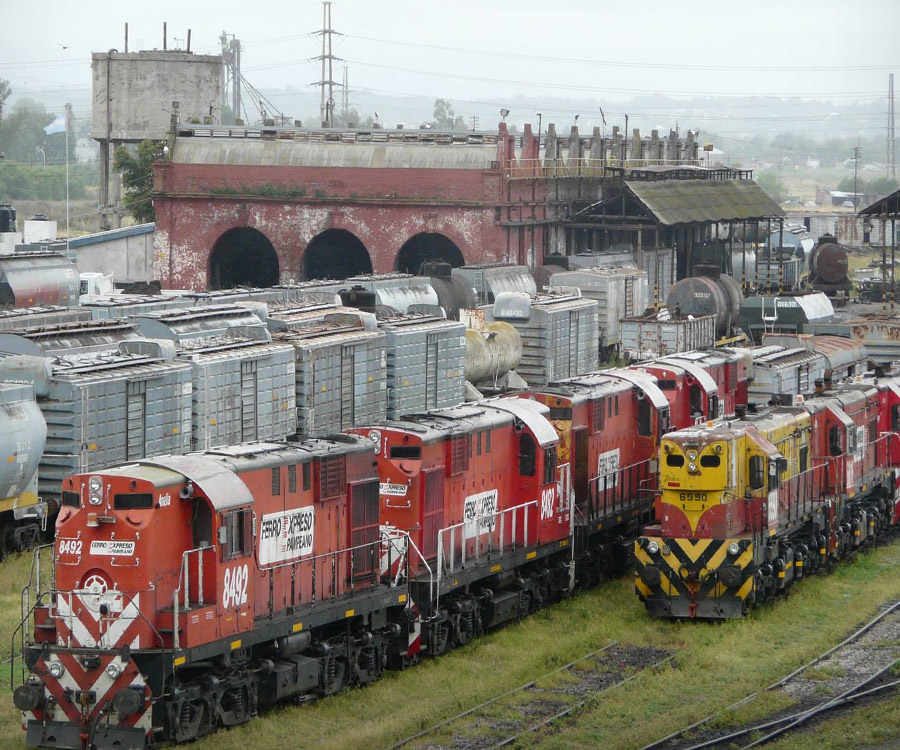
440	637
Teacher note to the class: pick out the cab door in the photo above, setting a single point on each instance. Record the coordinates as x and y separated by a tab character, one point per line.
235	579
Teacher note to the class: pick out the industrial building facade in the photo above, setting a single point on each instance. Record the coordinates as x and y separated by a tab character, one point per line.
238	206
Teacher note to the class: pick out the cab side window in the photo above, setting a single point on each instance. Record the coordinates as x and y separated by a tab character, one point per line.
527	455
757	471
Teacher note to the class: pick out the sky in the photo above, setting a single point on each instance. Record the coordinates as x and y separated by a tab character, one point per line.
485	52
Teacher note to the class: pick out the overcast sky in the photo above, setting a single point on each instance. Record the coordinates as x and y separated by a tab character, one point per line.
465	50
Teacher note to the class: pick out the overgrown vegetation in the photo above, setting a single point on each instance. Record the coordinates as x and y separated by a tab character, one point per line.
23	182
137	178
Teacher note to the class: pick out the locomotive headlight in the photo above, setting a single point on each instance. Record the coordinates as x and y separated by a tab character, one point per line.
692	466
95	485
692	456
57	670
733	549
113	671
652	548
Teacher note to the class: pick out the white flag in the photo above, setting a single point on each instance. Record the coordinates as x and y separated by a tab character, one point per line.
57	126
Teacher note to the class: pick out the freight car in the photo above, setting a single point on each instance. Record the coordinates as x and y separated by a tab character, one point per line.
749	506
828	269
23	514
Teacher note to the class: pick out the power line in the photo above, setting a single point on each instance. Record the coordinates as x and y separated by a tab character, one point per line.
623	64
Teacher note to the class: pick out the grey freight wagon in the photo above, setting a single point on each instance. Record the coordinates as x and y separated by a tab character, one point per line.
106	408
341	367
426	361
243	387
560	333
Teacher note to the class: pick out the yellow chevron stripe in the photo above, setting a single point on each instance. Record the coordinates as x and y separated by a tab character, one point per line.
691	548
745	558
715	562
642	587
744	591
641	555
666	585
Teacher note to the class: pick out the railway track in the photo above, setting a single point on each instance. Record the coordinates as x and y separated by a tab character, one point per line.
518	713
858	667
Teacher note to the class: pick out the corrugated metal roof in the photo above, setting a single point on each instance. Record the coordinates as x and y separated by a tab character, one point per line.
887	206
293	154
111	234
685	201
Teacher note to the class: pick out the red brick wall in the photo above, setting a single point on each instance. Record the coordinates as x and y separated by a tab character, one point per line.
196	204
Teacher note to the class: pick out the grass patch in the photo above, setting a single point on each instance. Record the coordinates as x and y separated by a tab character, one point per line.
824	673
718	664
873	726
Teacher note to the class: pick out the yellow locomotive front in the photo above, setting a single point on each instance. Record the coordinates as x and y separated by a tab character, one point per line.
706	555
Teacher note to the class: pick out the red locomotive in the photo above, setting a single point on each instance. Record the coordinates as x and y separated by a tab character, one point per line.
479	494
190	590
609	427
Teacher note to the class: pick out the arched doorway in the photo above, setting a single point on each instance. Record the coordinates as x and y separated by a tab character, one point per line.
335	254
243	256
428	246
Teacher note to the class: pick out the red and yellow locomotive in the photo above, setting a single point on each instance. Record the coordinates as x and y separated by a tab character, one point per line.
750	505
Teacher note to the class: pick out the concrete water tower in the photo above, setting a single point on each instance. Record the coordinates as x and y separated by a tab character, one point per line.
133	94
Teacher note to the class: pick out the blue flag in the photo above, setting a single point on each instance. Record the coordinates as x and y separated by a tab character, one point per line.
57	126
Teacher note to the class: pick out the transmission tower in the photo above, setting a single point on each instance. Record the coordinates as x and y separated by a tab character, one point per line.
231	60
327	82
891	158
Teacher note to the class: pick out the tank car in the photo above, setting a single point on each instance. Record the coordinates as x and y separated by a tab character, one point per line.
709	293
749	506
191	591
23	513
828	268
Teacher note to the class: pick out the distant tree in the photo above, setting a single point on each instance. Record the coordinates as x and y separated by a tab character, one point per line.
882	186
137	178
443	115
5	91
22	133
769	181
847	185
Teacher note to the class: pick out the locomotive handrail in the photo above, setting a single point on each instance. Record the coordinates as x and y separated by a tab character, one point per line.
495	517
618	495
184	578
33	585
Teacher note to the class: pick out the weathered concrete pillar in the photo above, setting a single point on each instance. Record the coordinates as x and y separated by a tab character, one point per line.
655	149
574	143
598	145
551	147
635	144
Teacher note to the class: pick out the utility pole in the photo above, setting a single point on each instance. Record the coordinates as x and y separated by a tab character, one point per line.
856	154
345	99
326	105
891	157
231	60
